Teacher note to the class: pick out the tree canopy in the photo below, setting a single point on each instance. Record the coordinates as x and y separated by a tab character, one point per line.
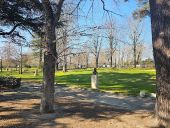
22	14
142	10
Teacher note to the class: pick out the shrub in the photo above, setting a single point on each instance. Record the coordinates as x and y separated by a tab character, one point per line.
10	82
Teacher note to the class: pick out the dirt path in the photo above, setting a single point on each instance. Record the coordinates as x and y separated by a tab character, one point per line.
75	108
121	101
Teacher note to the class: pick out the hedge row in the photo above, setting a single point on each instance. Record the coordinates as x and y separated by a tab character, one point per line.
10	82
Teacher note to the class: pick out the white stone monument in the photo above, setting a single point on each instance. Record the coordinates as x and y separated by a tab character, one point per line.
36	72
94	79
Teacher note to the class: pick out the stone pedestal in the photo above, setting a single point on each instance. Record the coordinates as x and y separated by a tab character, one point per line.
94	81
36	72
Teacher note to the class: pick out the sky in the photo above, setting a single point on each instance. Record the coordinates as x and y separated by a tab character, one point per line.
125	9
96	16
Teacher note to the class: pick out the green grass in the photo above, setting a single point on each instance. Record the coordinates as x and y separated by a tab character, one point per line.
126	81
28	75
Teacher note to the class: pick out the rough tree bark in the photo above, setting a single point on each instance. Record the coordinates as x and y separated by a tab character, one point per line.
160	20
47	100
51	18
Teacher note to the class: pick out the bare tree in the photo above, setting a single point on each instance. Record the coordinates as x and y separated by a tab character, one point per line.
9	52
95	49
112	36
64	47
37	47
135	35
86	54
65	41
139	50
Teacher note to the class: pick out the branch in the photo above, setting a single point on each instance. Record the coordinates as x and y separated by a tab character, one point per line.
76	6
60	4
104	8
12	30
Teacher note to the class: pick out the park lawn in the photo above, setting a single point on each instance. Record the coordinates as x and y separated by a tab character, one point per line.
27	76
125	81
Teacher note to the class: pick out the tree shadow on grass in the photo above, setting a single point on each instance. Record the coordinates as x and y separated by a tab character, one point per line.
130	84
80	80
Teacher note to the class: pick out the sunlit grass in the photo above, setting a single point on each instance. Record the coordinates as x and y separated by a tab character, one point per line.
126	81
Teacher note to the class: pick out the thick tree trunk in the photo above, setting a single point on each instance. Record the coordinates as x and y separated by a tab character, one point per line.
47	100
160	19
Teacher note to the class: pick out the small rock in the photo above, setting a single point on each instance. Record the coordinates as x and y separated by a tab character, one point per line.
153	95
142	94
